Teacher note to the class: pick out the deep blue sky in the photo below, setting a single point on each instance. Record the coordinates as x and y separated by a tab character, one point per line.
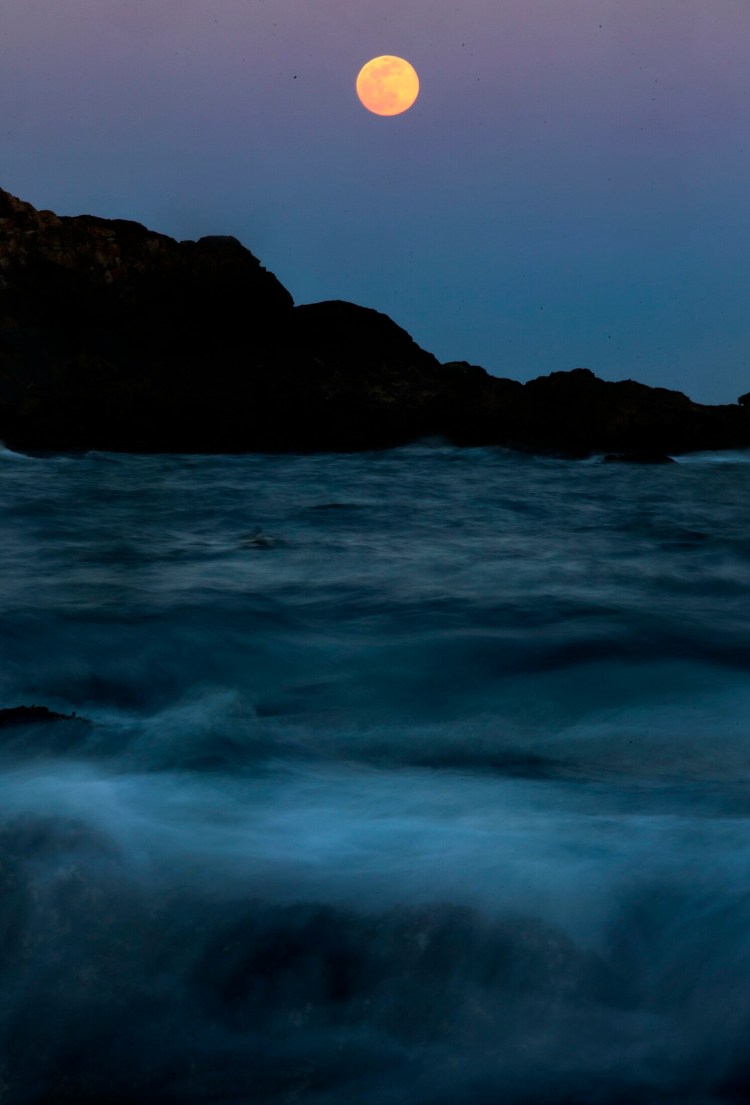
571	187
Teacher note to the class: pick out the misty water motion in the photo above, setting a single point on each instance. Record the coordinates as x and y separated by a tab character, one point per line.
419	775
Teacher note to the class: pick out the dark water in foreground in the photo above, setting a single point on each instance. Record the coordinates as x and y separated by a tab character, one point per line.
441	798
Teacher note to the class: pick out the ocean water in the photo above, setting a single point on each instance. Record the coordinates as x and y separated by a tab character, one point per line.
435	791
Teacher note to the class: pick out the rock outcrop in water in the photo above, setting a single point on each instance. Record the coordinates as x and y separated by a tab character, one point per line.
32	715
115	337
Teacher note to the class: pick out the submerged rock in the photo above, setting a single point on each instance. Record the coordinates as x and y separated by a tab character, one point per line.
32	715
114	337
257	539
32	732
638	458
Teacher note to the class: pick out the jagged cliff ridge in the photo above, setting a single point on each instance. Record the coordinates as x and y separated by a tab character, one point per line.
116	337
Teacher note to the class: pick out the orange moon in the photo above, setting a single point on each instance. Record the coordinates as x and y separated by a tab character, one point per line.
387	85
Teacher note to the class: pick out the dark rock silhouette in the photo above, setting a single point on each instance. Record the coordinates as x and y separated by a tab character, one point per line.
115	337
33	715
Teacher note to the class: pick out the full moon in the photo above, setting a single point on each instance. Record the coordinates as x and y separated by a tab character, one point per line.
387	85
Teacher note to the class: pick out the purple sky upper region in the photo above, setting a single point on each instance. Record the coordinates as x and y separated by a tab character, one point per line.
571	188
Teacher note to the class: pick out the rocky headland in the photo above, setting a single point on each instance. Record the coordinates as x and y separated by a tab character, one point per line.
114	337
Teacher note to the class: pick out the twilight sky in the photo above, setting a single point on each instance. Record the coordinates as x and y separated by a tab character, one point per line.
572	186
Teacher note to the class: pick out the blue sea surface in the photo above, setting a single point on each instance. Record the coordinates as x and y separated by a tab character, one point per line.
416	776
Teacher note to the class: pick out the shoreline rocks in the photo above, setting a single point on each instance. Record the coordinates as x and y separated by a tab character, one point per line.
117	338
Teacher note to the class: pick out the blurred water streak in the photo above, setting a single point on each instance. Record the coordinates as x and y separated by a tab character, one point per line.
419	775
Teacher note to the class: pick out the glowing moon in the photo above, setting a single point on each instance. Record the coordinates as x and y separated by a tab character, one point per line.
387	85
